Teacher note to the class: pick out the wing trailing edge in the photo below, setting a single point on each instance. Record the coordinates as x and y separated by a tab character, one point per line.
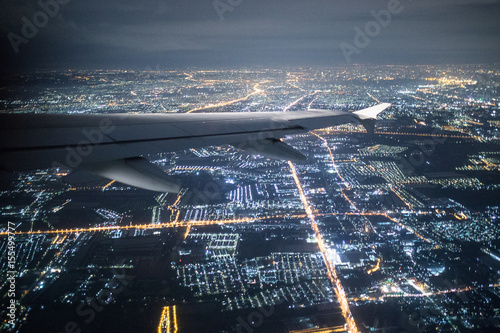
110	145
272	148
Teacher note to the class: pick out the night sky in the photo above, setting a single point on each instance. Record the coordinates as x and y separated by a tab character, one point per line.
168	34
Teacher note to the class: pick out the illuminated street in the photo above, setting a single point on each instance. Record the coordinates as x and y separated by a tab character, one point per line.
395	230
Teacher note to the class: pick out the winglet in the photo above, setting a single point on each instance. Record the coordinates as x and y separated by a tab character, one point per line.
367	116
372	112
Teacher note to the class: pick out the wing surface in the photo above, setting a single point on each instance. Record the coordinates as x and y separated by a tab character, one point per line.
109	144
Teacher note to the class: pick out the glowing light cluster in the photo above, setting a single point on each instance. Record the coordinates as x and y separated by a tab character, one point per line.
168	320
332	274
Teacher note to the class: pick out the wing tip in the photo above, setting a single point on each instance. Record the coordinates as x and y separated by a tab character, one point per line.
372	112
368	116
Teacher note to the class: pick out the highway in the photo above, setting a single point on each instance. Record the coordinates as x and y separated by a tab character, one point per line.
332	273
190	223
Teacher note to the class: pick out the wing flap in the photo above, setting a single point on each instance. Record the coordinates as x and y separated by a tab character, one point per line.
108	144
272	148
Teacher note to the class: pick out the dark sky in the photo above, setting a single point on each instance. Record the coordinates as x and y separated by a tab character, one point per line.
168	34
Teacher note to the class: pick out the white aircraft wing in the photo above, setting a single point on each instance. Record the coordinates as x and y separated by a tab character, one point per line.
110	145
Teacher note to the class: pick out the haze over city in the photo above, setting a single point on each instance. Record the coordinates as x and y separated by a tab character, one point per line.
134	35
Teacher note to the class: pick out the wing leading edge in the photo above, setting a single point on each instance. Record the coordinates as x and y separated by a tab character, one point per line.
110	144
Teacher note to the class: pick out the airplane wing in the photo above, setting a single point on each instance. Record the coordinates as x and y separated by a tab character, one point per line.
110	145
